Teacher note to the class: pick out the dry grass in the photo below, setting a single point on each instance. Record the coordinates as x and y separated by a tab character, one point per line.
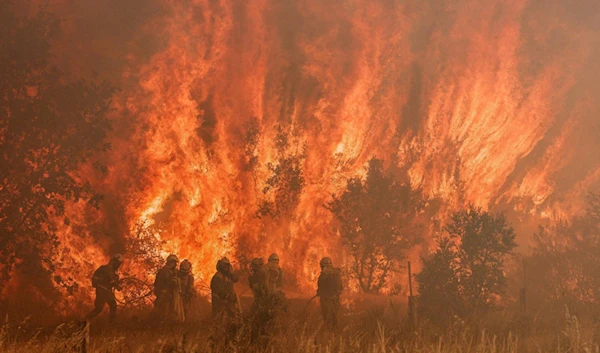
369	331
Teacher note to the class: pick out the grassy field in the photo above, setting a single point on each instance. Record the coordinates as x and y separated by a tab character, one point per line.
371	328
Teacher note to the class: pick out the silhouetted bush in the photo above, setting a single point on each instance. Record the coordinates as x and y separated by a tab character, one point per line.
465	276
377	217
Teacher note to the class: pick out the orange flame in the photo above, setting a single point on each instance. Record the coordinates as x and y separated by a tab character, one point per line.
455	93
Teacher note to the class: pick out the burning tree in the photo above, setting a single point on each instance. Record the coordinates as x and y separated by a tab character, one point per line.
49	126
376	217
465	274
285	182
144	259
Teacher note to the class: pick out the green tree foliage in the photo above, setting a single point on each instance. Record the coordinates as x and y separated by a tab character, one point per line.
377	218
49	125
465	275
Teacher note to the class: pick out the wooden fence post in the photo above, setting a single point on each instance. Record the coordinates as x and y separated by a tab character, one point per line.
412	302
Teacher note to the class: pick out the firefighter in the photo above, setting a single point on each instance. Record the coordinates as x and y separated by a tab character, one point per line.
105	279
168	305
274	274
226	312
329	290
186	280
258	283
224	298
259	312
276	299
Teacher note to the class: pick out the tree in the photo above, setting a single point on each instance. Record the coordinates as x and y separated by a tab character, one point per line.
439	286
143	249
465	275
564	266
377	224
286	182
49	126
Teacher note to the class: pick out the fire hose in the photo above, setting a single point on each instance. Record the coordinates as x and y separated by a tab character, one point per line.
307	304
149	291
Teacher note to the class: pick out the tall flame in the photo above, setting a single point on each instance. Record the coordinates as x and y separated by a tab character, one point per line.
480	101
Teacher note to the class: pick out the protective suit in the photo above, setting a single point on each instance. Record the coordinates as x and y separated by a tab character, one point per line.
105	279
168	305
186	280
260	314
329	291
258	283
226	311
274	274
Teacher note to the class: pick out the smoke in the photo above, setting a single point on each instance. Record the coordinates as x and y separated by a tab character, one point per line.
487	102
